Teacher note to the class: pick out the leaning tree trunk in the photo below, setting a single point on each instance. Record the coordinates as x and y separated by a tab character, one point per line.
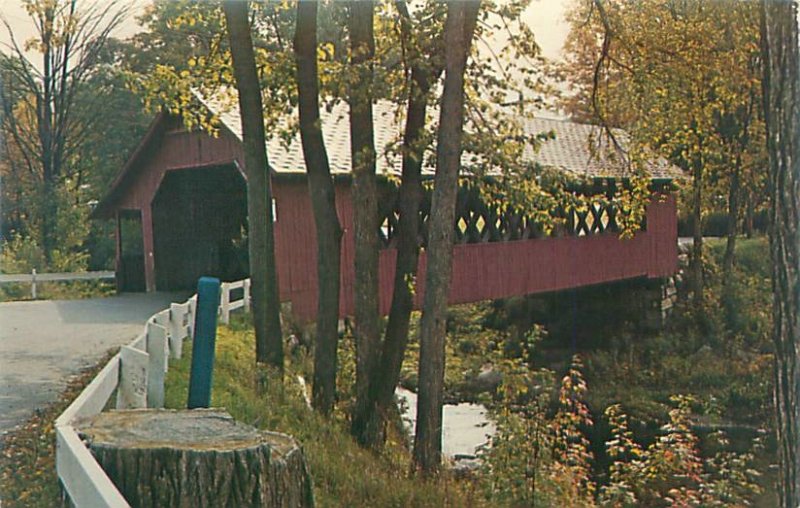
369	423
459	28
196	458
323	203
781	85
263	273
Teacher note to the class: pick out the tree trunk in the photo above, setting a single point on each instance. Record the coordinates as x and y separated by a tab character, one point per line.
44	120
49	220
370	422
781	86
733	221
197	458
365	197
458	31
696	266
263	275
323	202
728	300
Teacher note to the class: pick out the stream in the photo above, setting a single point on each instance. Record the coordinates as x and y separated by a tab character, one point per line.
465	425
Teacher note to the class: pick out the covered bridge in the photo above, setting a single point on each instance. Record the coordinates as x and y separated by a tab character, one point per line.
180	208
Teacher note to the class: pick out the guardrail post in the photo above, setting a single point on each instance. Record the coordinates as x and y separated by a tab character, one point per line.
33	284
225	303
163	319
157	349
205	334
246	295
133	375
177	329
192	315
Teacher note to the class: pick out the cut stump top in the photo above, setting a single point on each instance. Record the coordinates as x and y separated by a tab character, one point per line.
186	429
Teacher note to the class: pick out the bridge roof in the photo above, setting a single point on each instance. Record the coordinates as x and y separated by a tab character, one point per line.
582	150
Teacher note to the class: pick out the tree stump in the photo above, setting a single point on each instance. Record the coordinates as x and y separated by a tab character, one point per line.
196	458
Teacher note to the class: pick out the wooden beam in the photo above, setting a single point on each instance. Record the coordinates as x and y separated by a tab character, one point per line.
147	244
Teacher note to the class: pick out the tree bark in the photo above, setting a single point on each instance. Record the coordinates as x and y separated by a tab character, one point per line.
458	32
196	458
781	87
44	113
697	235
365	197
370	422
323	202
735	189
729	258
733	221
263	273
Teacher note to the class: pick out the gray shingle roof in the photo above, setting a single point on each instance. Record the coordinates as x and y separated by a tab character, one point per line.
571	149
585	150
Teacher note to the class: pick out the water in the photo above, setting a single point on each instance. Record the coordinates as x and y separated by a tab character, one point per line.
465	425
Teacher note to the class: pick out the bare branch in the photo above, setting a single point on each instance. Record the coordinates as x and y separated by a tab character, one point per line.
598	69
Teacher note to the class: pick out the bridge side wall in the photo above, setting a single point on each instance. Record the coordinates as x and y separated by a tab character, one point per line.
481	271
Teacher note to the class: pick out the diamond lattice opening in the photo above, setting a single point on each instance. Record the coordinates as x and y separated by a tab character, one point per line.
462	225
480	224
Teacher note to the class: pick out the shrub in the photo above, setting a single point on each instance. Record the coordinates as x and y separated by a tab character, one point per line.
540	459
23	254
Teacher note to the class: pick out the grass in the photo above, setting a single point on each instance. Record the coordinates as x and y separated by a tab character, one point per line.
343	473
752	254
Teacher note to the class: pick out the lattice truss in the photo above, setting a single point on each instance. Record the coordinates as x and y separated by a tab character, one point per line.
478	222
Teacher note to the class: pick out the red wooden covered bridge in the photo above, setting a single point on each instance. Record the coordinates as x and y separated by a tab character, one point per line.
180	208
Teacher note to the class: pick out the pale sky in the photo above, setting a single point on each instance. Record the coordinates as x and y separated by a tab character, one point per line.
546	18
14	12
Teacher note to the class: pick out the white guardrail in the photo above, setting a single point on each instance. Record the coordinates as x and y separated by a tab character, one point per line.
33	278
137	374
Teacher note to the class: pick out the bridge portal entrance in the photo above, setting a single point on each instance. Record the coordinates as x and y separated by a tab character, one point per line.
200	227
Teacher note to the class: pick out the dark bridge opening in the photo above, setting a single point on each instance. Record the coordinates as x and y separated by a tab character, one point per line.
130	272
199	227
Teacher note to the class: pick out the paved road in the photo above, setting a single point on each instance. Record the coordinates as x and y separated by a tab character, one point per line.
43	343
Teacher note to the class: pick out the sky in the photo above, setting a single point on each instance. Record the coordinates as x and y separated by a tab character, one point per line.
545	17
